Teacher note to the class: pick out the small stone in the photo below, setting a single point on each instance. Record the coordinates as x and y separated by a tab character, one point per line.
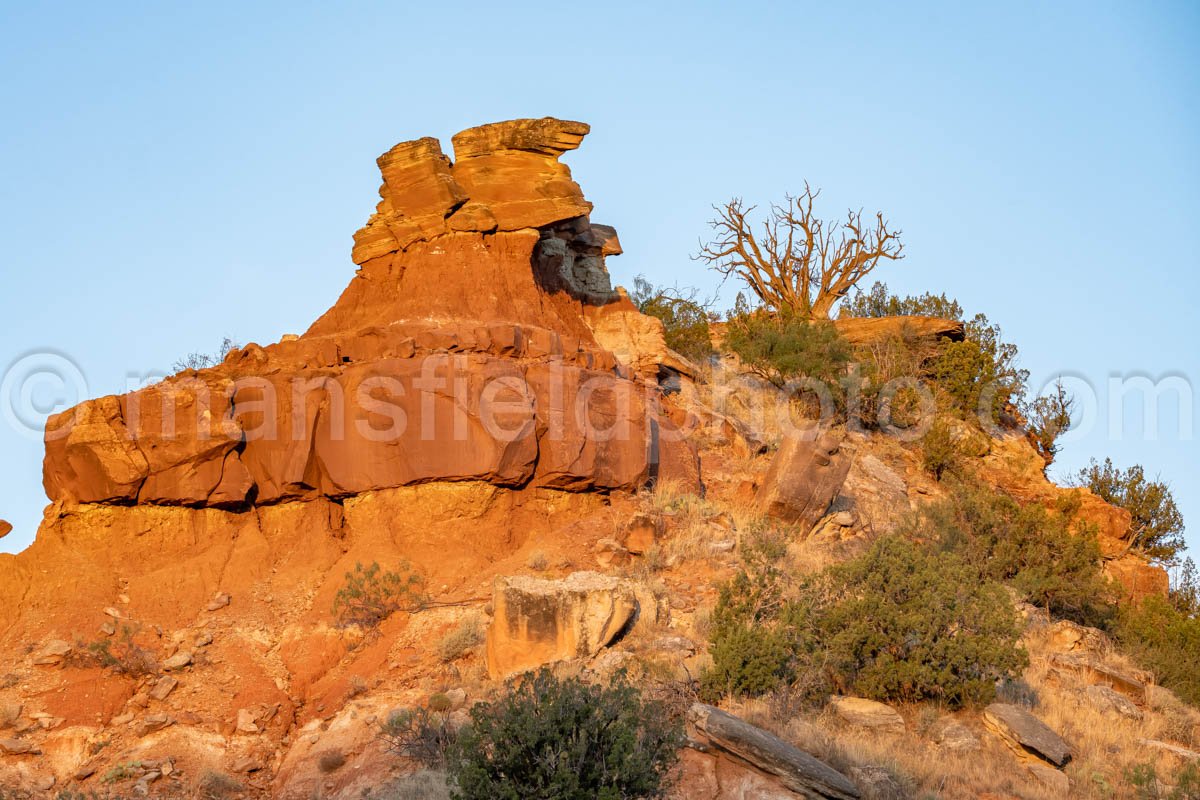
163	688
154	722
843	519
724	546
108	629
122	719
84	772
123	599
112	612
54	652
178	661
245	765
247	721
44	783
219	601
204	639
9	714
16	747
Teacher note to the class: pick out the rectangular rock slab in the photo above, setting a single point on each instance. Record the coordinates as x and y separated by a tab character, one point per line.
798	770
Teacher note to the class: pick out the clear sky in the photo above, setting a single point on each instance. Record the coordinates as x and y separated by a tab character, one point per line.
175	173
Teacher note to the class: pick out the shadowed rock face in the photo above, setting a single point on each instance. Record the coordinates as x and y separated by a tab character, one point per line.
460	351
804	478
539	621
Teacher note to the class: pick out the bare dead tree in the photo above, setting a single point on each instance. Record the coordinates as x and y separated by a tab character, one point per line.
798	263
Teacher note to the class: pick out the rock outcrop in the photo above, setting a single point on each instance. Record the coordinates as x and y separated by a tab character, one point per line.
538	622
805	476
861	331
461	351
5	528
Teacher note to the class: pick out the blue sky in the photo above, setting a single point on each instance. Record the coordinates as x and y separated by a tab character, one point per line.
174	175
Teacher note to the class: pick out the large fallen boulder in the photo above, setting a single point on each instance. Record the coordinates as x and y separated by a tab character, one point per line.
1026	735
797	770
537	621
804	478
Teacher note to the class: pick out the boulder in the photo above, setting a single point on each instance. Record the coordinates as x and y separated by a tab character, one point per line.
954	735
803	479
1095	673
863	713
538	621
5	528
637	340
1106	700
797	770
1026	735
1173	749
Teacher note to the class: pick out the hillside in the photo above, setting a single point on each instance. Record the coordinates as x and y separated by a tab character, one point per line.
484	418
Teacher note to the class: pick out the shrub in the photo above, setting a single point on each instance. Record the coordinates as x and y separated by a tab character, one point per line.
566	739
939	451
466	636
217	785
879	302
206	360
120	653
331	761
1157	522
1147	786
422	734
1185	589
784	348
1166	641
901	622
423	785
371	595
685	320
1049	417
979	375
1028	548
907	623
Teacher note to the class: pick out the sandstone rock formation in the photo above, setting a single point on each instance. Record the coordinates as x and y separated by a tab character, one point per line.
869	330
1014	466
1026	735
797	770
5	528
538	622
804	478
461	351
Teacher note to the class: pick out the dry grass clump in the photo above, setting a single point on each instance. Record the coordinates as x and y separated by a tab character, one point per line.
461	639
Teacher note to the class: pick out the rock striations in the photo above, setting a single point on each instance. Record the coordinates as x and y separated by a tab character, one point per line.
461	350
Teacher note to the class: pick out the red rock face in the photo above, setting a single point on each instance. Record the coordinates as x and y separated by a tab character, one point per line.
460	351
